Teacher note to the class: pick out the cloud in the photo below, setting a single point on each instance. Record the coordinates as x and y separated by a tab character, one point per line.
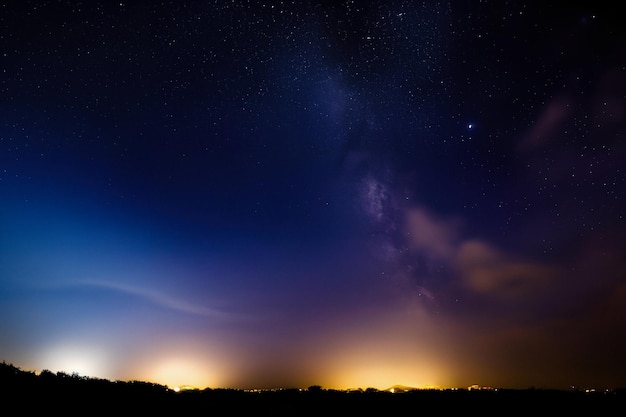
604	104
554	115
480	267
433	237
159	298
417	245
487	270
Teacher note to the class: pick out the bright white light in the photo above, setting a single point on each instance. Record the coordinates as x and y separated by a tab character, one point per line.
84	360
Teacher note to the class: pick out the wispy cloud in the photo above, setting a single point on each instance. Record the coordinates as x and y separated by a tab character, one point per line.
158	298
545	129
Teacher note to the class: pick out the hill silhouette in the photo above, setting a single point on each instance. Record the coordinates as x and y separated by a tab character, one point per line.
28	392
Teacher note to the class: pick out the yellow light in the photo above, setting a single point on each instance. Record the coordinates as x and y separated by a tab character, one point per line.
179	372
386	354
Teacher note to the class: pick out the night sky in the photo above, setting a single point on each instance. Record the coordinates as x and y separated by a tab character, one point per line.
251	194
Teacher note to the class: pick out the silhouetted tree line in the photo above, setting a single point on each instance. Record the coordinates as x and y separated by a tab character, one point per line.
26	392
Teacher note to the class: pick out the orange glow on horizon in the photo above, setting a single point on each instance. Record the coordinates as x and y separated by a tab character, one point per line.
384	372
399	347
179	372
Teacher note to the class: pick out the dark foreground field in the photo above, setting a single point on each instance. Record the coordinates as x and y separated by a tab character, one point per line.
25	392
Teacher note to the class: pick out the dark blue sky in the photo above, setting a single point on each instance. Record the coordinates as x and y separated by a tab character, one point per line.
258	194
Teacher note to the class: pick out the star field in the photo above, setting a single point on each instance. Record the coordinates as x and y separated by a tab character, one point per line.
335	193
